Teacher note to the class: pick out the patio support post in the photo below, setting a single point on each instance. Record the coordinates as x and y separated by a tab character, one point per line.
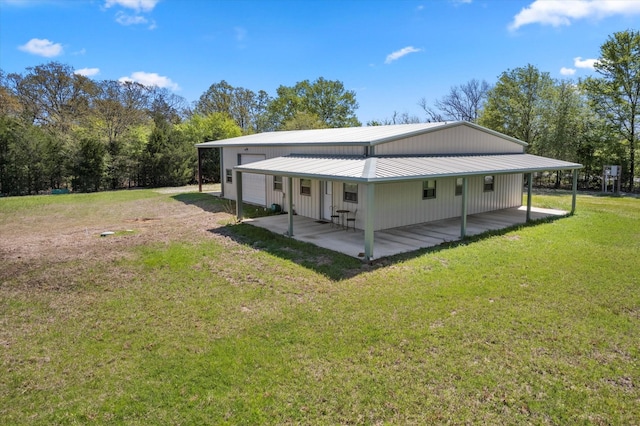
239	211
369	219
575	191
199	170
222	172
529	186
290	208
463	214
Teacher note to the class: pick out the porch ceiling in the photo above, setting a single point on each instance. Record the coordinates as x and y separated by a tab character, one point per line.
396	168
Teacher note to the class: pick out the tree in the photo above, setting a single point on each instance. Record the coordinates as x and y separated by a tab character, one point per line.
396	118
117	108
212	127
514	105
615	95
244	106
53	96
326	99
87	165
463	103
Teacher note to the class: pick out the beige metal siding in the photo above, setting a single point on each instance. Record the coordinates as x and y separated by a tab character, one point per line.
455	140
230	160
401	204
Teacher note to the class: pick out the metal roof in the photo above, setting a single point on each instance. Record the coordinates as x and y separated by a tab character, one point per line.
386	169
371	135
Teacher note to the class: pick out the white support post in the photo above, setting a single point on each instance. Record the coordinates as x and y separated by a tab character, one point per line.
529	186
463	214
290	208
575	191
239	211
369	219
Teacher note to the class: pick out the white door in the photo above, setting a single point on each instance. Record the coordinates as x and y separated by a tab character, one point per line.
254	186
327	200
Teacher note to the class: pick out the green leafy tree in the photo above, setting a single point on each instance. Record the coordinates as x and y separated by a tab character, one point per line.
211	127
326	99
515	104
87	165
243	106
615	95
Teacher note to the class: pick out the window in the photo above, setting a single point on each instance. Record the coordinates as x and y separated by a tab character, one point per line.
459	186
429	189
229	174
305	186
488	183
351	192
277	183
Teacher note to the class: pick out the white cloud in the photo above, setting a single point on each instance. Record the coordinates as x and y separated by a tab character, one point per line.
87	72
400	53
586	63
151	79
137	5
42	47
567	71
124	19
560	12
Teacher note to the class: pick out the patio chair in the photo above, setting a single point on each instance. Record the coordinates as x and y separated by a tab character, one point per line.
334	217
352	220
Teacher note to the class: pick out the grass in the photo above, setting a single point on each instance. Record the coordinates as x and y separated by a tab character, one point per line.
536	325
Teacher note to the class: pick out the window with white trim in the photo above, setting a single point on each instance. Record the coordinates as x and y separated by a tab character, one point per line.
277	183
428	189
489	183
459	182
350	192
305	186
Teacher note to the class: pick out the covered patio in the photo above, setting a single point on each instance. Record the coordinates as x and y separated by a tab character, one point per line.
404	239
372	171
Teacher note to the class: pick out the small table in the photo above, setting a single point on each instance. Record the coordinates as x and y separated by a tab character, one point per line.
342	213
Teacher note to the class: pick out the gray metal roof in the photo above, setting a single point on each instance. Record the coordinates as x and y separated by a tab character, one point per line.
386	169
371	135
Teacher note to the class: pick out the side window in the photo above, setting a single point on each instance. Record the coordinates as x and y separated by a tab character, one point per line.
229	174
305	186
459	186
429	189
277	183
489	183
351	192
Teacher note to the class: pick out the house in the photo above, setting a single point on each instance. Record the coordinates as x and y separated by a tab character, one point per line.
387	176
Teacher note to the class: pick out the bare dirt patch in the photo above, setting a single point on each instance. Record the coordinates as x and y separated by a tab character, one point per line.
65	234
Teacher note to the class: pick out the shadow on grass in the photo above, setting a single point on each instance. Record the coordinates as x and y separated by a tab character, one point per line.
214	204
337	266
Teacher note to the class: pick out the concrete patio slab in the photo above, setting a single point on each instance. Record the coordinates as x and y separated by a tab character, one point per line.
394	241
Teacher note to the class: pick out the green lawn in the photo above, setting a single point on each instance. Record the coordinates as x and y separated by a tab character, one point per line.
234	325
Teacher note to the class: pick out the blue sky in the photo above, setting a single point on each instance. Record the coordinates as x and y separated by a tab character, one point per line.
391	53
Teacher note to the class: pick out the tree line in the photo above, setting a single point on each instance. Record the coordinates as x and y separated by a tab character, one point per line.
59	129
